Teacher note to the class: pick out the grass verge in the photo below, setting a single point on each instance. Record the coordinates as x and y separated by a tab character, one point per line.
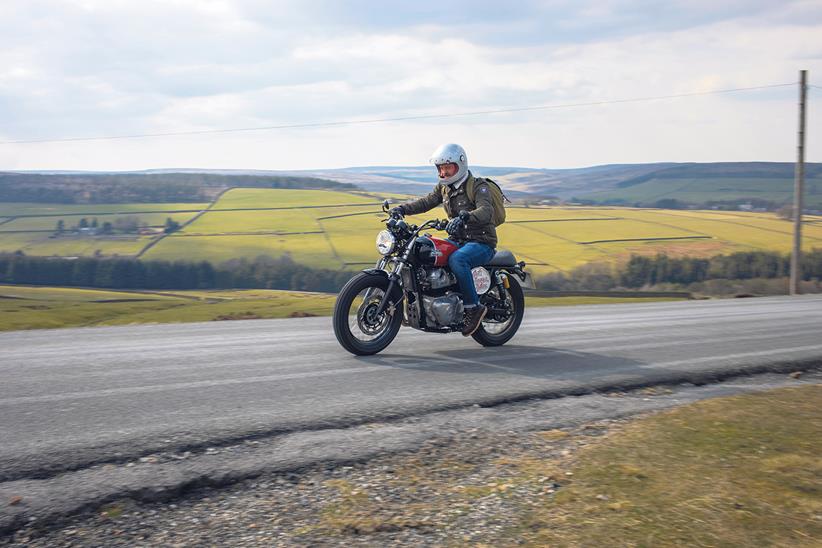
739	471
25	307
53	307
736	471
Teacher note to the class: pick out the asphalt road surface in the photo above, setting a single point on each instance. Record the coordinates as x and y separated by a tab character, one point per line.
72	398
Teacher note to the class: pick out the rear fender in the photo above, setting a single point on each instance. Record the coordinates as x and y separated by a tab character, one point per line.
519	271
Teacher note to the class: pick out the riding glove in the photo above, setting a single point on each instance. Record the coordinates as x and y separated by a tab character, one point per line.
456	225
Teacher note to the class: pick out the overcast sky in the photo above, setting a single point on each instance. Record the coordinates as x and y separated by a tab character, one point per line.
88	68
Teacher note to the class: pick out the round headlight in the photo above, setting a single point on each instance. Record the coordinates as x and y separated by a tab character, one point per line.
385	242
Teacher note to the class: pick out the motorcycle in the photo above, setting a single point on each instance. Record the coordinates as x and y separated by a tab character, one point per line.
412	285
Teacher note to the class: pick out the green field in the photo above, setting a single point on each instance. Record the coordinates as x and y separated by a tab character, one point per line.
31	227
49	223
336	230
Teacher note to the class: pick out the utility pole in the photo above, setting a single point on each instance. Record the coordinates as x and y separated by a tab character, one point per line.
798	188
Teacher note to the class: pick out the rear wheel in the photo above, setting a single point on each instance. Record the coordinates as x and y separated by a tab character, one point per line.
496	332
357	326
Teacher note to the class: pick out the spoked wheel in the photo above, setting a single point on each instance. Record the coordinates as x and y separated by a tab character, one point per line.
357	326
495	332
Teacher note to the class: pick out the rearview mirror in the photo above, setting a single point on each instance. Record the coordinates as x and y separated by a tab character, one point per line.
386	205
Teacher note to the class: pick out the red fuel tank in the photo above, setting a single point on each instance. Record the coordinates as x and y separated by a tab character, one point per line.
434	251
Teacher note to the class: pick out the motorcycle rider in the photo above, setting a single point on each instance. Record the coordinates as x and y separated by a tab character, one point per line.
474	218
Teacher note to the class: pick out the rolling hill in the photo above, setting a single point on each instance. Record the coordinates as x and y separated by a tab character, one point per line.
336	230
708	185
768	184
727	184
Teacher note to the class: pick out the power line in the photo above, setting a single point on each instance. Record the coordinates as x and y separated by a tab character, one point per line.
393	119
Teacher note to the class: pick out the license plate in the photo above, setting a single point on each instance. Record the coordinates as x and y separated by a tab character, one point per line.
528	283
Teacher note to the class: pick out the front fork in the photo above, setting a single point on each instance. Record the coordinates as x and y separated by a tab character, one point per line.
393	276
393	281
379	266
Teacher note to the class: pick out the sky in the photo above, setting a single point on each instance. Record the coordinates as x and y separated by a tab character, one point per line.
102	68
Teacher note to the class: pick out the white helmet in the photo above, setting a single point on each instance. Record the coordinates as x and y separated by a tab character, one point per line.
451	154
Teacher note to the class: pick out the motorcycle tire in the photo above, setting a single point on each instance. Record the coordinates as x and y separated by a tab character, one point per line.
498	339
342	328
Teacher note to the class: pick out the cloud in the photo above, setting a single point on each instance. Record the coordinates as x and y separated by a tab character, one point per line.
114	67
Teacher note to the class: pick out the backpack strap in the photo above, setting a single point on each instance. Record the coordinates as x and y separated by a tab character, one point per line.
472	195
471	189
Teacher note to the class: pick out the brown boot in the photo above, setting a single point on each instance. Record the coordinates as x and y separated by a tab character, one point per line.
473	319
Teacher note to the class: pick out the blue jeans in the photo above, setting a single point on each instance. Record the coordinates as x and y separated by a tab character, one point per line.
469	255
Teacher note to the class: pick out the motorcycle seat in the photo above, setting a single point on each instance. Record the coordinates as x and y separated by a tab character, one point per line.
502	257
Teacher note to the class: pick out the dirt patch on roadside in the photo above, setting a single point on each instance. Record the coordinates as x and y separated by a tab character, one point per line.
301	314
237	316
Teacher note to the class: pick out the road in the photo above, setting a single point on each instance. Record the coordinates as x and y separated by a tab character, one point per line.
150	412
71	398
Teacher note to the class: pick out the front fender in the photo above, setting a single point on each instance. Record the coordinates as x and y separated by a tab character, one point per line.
376	271
397	293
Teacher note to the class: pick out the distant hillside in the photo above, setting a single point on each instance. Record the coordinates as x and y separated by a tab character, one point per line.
519	182
560	182
766	185
761	184
106	188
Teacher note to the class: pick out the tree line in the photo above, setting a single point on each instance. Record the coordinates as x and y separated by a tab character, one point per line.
644	271
283	273
124	273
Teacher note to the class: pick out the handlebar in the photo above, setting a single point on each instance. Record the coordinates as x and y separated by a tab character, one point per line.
397	222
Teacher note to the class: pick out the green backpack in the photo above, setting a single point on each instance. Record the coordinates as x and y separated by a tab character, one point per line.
498	199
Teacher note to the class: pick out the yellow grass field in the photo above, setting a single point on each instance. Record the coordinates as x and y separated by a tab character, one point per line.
24	228
333	229
310	249
261	197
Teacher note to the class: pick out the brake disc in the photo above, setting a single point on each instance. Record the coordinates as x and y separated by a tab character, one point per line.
368	320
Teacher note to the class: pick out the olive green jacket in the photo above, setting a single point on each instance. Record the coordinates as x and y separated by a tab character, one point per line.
480	227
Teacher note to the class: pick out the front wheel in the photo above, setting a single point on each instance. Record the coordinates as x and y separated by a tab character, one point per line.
493	332
357	326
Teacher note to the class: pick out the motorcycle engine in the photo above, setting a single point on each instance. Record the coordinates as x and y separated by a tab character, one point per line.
437	278
444	311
